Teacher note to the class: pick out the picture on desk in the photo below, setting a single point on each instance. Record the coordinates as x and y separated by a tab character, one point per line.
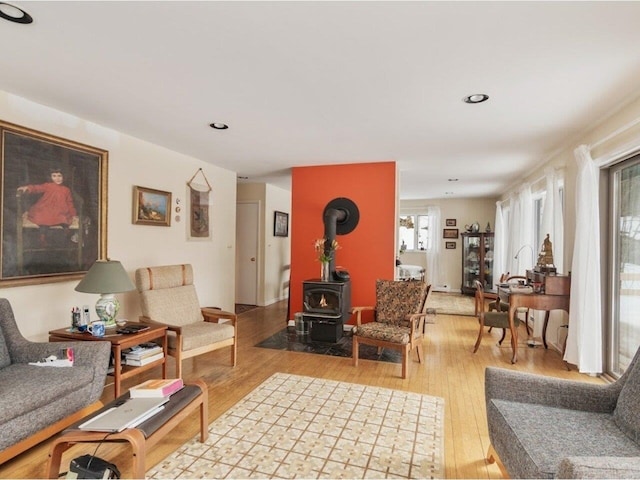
54	204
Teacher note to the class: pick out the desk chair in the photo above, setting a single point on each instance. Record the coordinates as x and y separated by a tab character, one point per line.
493	319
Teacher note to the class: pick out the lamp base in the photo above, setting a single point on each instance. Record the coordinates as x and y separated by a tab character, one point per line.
107	308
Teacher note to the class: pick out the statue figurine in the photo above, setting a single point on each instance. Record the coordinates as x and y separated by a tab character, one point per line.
545	257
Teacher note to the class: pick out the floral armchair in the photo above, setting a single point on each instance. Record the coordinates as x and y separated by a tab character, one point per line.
399	320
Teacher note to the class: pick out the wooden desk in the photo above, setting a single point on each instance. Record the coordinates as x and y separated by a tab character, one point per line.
120	342
535	301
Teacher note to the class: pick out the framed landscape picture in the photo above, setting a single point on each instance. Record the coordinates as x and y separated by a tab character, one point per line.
450	245
151	207
450	222
54	207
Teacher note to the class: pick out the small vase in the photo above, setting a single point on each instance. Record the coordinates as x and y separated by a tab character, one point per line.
324	271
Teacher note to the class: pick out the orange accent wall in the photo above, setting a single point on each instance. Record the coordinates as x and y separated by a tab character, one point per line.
368	252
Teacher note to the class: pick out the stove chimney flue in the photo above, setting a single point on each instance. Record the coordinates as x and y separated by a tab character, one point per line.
340	217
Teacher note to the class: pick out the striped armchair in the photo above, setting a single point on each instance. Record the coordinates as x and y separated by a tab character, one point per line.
168	296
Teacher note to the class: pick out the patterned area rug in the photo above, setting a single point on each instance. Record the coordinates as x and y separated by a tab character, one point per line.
302	427
451	303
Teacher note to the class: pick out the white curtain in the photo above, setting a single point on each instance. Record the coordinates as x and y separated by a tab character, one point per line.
584	341
432	275
552	218
500	244
521	233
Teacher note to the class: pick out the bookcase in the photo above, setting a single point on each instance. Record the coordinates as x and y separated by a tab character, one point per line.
477	261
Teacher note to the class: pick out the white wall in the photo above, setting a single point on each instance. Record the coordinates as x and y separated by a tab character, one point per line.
465	211
40	308
274	252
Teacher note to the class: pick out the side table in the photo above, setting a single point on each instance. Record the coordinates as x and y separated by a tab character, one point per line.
119	342
144	436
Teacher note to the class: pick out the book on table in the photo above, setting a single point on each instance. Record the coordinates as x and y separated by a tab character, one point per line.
139	362
156	388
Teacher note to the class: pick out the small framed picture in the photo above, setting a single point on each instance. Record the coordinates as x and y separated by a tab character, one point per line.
450	245
450	233
280	224
450	222
151	207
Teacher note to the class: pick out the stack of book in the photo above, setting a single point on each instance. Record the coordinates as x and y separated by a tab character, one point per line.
143	354
156	388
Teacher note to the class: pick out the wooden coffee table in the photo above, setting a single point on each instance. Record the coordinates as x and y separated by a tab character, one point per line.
120	342
144	436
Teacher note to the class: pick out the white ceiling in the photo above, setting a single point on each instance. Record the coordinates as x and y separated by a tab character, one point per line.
311	83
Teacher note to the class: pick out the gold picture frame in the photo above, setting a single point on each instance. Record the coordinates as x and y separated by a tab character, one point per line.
53	211
151	207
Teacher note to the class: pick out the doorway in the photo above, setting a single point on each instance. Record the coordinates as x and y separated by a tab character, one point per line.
247	228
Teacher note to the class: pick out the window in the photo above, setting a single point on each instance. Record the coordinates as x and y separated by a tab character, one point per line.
623	321
414	232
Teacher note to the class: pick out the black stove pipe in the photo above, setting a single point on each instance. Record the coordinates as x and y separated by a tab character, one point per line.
331	218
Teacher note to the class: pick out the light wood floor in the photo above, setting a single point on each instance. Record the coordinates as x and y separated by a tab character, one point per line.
450	371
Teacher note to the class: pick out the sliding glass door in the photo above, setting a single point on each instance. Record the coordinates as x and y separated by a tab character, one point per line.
624	317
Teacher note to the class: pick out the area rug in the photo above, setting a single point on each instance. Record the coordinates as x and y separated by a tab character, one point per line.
451	304
287	339
302	427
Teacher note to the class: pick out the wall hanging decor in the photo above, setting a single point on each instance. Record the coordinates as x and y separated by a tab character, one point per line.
280	224
54	207
199	215
151	207
450	233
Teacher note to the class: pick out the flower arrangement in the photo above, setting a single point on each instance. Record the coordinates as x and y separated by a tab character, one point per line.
325	256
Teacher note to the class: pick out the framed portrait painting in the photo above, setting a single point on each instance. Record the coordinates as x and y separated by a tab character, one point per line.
151	207
280	224
53	210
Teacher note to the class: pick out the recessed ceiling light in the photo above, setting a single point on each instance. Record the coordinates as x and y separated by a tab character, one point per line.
448	193
476	98
219	125
243	177
14	14
452	180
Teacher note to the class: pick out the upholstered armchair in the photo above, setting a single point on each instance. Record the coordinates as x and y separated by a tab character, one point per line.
499	319
399	320
545	427
168	296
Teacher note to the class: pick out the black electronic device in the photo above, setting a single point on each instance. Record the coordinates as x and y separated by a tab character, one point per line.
132	328
88	466
341	275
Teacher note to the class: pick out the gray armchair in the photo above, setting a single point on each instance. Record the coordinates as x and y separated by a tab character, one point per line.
37	402
543	427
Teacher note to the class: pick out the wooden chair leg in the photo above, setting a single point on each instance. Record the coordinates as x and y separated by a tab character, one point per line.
504	334
405	361
355	350
475	348
420	352
492	457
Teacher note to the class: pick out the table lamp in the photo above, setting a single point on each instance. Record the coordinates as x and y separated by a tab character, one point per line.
106	277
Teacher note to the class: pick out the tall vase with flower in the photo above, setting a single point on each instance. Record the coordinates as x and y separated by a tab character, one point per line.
325	251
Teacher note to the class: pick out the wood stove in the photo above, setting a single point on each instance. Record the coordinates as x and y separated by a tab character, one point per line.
326	308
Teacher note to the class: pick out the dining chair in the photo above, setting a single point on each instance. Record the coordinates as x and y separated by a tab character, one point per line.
492	319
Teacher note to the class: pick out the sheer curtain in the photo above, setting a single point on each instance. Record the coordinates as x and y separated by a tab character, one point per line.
500	244
552	218
521	233
432	275
584	340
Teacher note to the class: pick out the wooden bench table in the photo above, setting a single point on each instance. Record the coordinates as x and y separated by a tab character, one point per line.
142	437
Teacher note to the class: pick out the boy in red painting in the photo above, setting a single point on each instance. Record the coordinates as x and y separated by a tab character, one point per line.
55	205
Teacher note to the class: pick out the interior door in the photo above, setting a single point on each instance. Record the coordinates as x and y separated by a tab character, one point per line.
247	228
